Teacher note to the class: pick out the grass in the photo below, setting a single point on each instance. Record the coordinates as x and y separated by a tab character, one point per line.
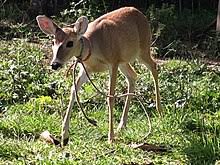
34	99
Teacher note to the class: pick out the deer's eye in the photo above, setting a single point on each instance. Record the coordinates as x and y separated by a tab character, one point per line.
69	44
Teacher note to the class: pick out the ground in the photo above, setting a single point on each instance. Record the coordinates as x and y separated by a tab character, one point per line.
34	99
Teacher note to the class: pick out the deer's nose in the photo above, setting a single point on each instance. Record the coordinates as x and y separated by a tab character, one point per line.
55	65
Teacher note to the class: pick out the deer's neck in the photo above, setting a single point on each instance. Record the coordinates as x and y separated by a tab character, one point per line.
85	51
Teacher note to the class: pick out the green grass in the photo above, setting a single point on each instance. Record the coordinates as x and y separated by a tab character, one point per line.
33	99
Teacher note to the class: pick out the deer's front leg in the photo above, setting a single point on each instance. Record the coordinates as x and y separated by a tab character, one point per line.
82	78
111	100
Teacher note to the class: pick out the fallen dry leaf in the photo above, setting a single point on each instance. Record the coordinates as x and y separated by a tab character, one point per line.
46	136
149	147
145	163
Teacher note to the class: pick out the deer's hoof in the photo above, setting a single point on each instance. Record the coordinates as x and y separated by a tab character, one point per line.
121	126
65	141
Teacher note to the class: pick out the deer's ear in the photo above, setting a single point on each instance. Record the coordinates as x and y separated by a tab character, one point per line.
46	24
81	25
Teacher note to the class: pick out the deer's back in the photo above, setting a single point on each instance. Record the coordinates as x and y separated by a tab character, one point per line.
119	36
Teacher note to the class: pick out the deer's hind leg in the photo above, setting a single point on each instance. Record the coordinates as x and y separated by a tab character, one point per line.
131	76
148	61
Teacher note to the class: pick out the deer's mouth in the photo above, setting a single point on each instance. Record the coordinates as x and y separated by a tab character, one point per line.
56	65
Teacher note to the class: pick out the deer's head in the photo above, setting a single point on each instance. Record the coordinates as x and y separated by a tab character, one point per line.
67	41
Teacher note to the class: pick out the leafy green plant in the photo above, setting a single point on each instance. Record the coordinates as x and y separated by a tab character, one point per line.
189	129
92	9
18	72
174	32
34	99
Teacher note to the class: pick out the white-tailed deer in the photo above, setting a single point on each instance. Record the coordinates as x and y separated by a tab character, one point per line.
112	41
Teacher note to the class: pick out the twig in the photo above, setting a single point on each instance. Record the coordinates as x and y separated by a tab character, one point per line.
102	93
3	3
154	40
106	153
91	121
78	3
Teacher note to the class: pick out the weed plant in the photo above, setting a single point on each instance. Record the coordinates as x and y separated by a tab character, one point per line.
34	99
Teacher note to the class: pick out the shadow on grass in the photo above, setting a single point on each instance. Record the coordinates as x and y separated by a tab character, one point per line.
202	150
8	153
202	132
16	133
204	145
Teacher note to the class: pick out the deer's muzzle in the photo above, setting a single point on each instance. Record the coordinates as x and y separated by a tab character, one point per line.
55	65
